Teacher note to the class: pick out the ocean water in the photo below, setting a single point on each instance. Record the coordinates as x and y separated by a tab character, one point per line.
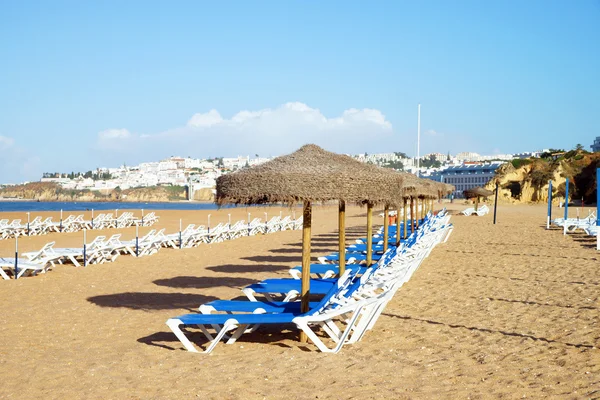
27	206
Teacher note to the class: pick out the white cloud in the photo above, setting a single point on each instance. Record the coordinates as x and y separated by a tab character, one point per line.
206	120
114	134
431	132
6	142
270	131
114	139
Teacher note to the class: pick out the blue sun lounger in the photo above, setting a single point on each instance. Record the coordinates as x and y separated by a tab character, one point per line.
326	270
324	314
291	288
355	314
346	285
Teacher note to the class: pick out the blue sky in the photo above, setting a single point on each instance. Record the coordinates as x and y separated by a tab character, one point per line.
91	84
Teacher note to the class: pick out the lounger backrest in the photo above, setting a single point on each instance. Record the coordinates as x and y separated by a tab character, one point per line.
342	284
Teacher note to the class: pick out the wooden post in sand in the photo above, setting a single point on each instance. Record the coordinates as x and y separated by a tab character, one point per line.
412	214
137	241
369	233
16	255
495	202
180	241
305	290
566	205
386	230
405	219
342	236
416	213
476	203
549	216
84	248
398	228
597	207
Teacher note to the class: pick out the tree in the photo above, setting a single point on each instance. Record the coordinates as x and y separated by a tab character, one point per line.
400	154
430	162
579	147
397	165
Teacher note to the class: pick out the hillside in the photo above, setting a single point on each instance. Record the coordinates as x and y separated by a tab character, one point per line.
49	191
526	181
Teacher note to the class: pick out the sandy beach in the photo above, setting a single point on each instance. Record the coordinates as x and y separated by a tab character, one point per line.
500	311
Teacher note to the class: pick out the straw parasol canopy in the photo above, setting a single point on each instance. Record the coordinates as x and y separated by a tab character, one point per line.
412	186
477	192
447	188
309	174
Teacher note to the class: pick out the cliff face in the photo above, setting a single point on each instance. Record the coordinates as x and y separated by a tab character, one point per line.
49	191
528	183
205	194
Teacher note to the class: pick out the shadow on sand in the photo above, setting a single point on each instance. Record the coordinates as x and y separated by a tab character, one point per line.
203	282
273	335
151	301
487	330
247	268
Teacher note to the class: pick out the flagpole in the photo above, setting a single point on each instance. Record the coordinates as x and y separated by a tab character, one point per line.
418	137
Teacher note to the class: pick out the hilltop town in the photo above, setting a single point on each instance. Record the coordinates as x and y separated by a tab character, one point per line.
201	174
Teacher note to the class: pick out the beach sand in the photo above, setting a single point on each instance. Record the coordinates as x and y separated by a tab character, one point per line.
500	311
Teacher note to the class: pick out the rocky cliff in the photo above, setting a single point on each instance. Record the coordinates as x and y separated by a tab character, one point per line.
48	191
526	181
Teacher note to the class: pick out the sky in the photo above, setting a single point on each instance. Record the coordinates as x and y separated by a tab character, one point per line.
98	84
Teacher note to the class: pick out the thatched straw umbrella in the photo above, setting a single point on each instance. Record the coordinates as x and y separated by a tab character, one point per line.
477	192
411	187
311	174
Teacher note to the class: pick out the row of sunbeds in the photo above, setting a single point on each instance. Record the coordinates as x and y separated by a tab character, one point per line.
587	224
72	223
101	249
480	211
349	306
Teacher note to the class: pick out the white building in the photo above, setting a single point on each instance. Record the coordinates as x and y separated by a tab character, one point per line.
468	156
437	156
149	167
167	165
238	162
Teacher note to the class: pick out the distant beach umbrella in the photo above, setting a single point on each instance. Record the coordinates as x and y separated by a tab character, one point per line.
476	193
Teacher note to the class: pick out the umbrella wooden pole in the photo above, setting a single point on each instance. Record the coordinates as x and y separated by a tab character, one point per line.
369	234
405	212
386	223
305	292
476	203
412	214
342	236
398	228
417	213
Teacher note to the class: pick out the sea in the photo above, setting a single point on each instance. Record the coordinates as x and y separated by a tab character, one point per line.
29	206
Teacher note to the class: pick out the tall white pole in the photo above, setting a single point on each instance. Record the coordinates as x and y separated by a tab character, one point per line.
418	137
